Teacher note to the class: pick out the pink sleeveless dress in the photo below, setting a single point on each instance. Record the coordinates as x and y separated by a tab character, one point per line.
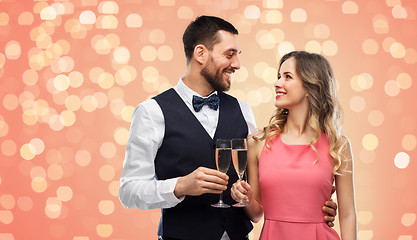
294	190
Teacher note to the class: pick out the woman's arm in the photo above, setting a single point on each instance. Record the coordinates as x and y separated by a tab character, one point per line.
346	195
250	192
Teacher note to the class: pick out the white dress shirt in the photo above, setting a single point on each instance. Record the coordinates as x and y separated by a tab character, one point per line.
138	185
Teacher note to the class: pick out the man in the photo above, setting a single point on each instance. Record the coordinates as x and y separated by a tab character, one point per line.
169	161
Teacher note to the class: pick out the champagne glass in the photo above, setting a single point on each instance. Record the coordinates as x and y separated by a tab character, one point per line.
223	156
239	156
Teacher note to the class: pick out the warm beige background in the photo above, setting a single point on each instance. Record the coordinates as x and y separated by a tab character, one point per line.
72	72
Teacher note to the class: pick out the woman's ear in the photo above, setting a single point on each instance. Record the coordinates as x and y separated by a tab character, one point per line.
200	53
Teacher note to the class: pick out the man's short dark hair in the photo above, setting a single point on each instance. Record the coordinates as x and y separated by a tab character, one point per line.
203	30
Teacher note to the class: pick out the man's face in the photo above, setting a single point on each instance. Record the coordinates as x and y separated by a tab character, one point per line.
222	62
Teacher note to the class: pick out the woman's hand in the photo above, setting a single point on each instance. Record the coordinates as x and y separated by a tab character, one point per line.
241	190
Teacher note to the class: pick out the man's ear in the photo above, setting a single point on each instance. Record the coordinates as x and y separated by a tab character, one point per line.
200	53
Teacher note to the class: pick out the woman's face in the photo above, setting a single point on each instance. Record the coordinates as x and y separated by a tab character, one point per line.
289	89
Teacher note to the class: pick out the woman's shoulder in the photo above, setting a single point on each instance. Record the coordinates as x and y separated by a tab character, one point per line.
257	138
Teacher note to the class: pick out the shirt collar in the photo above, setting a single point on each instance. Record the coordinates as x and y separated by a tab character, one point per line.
186	93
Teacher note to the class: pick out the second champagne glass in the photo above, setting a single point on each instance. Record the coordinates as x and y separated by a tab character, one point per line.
239	155
223	156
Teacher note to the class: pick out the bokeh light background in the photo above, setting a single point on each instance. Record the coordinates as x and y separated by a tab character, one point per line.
72	72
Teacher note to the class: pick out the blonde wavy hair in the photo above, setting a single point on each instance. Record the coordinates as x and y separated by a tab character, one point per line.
325	114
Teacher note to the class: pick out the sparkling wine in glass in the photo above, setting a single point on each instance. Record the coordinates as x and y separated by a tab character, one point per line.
223	157
239	156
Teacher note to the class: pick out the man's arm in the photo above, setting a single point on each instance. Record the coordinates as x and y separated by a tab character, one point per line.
138	185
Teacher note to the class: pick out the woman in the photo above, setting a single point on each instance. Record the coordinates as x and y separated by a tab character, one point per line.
292	163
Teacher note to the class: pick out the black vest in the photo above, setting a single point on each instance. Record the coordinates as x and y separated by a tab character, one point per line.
187	146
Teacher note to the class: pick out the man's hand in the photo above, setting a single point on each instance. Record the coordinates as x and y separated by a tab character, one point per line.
330	208
200	181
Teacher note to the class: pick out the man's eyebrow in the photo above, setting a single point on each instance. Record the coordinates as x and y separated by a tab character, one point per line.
234	51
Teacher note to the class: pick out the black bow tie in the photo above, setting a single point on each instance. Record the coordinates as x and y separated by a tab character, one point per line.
212	102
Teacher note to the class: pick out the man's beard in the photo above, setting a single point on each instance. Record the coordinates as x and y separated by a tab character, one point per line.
214	76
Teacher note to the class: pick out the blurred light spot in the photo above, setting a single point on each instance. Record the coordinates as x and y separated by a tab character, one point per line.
114	188
83	158
410	56
121	55
8	147
43	41
265	39
104	230
95	73
30	77
6	217
401	160
12	50
365	217
167	2
391	88
27	152
370	142
409	142
25	204
39	184
285	47
87	17
266	94
361	82
101	99
321	31
56	122
37	145
273	3
148	53
68	118
113	39
241	75
165	53
408	219
376	118
108	149
185	12
157	36
89	103
106	22
313	47
365	234
399	12
2	60
61	82
397	50
134	20
271	17
73	103
357	103
350	7
80	238
25	18
125	75
121	135
53	207
150	74
55	172
48	13
392	3
106	173
37	171
127	113
76	79
108	7
7	201
4	19
106	207
259	69
254	98
105	80
64	193
115	93
404	80
380	24
269	75
405	237
252	12
367	156
330	48
370	46
298	15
